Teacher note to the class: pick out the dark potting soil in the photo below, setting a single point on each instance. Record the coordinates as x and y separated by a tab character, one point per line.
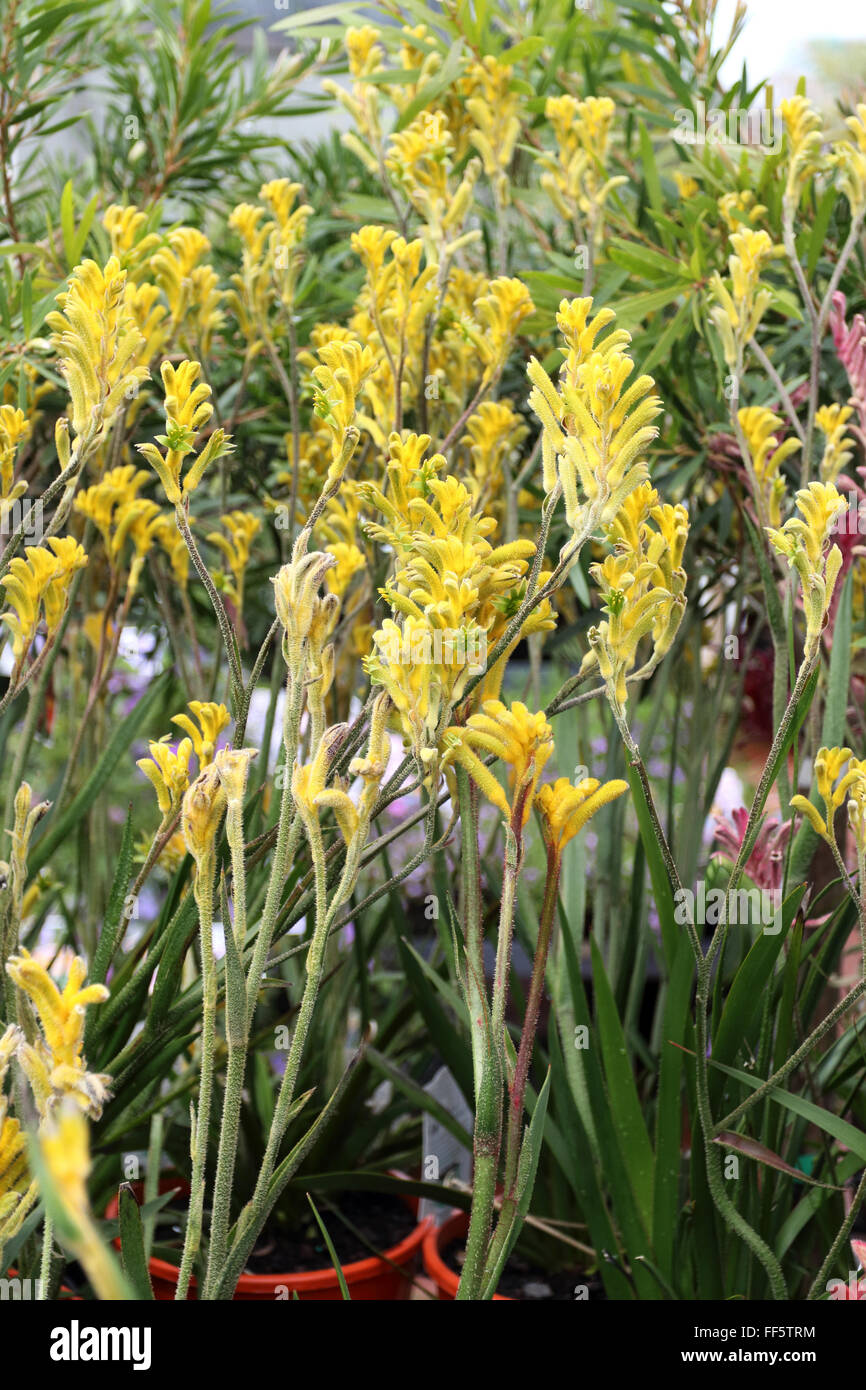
380	1220
526	1283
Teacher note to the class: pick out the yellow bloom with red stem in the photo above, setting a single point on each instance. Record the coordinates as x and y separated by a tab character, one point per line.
521	740
565	808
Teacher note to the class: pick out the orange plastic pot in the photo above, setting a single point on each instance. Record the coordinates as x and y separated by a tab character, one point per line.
454	1227
386	1278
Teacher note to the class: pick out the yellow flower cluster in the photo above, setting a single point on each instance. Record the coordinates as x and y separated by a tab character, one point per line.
54	1063
420	161
831	420
495	108
313	795
365	58
643	590
803	128
565	808
576	180
848	157
740	208
100	347
805	542
493	432
738	310
766	456
343	367
189	287
15	428
524	742
851	787
242	529
453	590
119	514
595	426
37	587
17	1191
187	408
167	769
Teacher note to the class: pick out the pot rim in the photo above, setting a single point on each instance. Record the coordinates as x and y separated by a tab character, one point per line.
359	1271
456	1223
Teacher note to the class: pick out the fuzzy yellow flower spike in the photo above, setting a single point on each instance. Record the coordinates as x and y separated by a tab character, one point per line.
253	291
143	304
576	181
99	344
372	766
565	809
54	1064
408	474
803	128
313	796
493	431
174	266
805	543
403	662
187	408
849	158
100	501
242	528
364	53
125	226
523	741
168	772
233	766
350	560
495	109
420	160
635	609
289	229
212	719
298	602
14	429
766	455
17	1192
857	811
829	763
27	816
595	426
738	311
740	209
838	446
500	311
38	583
309	779
342	370
203	808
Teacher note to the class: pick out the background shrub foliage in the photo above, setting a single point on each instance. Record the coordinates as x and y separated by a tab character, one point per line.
508	357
